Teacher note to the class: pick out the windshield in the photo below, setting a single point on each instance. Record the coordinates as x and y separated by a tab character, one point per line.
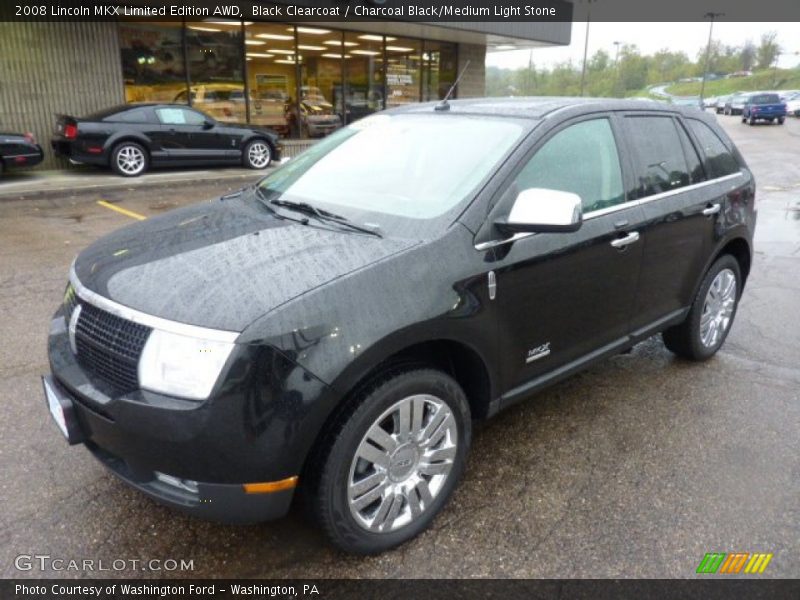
409	167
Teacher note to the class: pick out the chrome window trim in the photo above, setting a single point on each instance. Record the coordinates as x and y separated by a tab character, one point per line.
617	207
131	314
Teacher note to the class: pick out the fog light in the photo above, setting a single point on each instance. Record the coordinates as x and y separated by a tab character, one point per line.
187	485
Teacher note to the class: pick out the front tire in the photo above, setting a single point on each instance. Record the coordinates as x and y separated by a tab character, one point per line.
129	159
257	155
706	326
391	460
780	120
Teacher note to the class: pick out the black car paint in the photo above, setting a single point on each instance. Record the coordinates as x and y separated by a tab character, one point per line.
319	310
213	143
16	150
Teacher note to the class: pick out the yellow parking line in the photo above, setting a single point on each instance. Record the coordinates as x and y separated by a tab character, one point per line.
122	211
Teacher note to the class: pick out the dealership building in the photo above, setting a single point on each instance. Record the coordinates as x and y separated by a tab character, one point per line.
267	73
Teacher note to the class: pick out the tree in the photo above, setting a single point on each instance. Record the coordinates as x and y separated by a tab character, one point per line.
767	52
747	56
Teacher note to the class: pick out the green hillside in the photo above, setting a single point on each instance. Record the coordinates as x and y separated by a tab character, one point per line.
785	79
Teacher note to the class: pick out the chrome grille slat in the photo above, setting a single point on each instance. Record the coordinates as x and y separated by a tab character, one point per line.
108	346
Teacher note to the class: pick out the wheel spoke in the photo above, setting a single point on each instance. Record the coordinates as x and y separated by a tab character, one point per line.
404	421
414	503
378	436
373	455
379	520
371	496
417	414
440	454
424	493
364	485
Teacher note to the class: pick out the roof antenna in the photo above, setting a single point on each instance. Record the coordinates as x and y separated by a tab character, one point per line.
444	104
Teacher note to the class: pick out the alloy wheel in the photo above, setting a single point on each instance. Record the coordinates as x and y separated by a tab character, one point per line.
130	160
718	308
258	155
401	464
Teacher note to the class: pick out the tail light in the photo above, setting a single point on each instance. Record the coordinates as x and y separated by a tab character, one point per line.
29	138
70	131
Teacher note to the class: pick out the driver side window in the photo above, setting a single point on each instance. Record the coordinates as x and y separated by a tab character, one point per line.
582	159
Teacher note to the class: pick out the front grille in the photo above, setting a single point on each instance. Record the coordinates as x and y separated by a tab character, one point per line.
108	346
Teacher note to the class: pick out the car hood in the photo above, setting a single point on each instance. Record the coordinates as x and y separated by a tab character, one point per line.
223	264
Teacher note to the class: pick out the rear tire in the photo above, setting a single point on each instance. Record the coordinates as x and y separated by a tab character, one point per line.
711	316
1	169
780	120
129	159
390	461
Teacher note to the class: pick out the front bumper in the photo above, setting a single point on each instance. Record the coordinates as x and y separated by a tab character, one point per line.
228	503
257	426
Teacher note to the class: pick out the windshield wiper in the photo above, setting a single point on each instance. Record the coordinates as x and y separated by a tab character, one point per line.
321	214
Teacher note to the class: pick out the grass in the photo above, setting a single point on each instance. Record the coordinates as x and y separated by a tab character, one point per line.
768	79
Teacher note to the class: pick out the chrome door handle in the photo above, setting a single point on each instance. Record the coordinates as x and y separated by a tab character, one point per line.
712	210
632	237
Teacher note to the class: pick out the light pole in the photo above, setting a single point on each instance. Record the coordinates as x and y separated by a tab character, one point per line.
586	43
711	16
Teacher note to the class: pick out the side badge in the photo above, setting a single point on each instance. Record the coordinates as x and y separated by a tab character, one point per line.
538	352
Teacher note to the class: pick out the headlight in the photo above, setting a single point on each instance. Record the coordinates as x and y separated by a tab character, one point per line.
181	366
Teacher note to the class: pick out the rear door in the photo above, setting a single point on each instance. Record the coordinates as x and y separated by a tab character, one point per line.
561	296
672	188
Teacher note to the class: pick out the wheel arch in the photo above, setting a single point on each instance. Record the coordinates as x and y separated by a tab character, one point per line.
113	142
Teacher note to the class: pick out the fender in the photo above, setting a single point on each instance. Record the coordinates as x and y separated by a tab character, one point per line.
127	136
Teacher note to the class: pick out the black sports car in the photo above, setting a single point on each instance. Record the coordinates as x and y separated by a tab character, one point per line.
19	150
132	138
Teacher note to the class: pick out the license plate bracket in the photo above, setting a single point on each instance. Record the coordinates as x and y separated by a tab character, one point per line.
62	410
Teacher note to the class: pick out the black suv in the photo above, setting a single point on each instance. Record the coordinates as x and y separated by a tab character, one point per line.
339	325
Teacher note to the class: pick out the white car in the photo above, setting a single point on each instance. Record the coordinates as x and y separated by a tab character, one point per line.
793	106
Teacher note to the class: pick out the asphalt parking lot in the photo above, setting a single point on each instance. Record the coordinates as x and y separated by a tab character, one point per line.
635	468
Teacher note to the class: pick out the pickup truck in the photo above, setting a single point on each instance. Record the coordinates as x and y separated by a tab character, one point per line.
765	107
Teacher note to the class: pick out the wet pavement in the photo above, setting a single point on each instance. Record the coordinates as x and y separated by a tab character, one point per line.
636	467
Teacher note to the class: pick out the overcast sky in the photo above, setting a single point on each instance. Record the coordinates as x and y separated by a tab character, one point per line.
651	37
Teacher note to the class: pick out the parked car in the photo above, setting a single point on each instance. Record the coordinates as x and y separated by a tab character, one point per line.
786	95
793	106
218	356
719	104
317	117
710	102
19	150
132	138
764	107
735	104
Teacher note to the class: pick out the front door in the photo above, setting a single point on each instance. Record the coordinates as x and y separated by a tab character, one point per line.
562	296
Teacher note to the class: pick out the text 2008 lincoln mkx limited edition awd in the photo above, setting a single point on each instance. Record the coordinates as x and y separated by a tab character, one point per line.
336	328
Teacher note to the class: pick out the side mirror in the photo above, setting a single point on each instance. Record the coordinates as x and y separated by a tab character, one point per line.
208	124
539	210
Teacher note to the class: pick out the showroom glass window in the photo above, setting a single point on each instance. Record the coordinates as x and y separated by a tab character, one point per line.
403	71
439	65
719	160
364	91
582	159
656	146
271	74
320	74
152	61
216	70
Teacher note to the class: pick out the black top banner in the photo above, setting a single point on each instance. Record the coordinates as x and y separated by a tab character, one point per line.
430	11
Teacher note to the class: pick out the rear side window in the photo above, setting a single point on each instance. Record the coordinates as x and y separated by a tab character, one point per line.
656	146
139	115
719	160
582	159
